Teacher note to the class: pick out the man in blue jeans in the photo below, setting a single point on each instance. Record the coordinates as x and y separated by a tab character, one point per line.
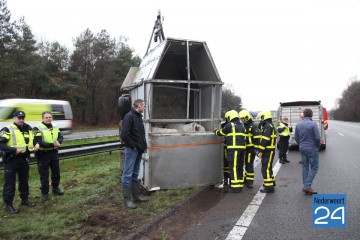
133	136
307	135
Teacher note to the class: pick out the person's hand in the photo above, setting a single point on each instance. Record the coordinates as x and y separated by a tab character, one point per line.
214	130
259	155
18	151
36	147
56	144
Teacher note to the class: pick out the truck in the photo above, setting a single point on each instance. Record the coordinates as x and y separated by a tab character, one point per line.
293	111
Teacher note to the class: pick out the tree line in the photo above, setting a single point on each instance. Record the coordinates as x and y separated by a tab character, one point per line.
90	77
348	108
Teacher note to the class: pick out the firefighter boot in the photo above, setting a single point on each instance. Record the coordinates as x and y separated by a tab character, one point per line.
286	160
282	160
126	190
136	192
267	190
249	184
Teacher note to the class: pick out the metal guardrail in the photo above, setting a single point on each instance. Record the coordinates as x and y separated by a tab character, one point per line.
81	150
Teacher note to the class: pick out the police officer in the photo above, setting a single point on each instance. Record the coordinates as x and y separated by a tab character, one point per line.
284	131
234	133
267	151
16	140
252	141
49	137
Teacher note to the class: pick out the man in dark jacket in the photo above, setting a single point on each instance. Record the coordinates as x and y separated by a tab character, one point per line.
133	136
16	140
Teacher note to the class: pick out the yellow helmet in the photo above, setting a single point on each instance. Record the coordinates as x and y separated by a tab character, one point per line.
230	115
263	115
244	114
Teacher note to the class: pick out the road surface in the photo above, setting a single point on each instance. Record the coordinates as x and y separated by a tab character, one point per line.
285	214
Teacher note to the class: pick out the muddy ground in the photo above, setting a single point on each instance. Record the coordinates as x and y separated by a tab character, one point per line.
130	224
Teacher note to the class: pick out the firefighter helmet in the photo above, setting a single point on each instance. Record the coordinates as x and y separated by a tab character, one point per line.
230	115
244	114
263	115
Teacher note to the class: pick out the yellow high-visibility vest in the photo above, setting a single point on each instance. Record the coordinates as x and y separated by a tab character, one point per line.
286	131
48	135
17	139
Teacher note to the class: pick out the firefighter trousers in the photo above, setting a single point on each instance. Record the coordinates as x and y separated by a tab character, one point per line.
249	164
267	168
236	159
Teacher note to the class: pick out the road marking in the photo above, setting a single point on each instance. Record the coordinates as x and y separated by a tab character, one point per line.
244	221
341	134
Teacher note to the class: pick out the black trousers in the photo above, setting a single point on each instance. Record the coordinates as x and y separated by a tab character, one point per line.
236	160
12	167
266	168
249	164
226	170
284	146
48	160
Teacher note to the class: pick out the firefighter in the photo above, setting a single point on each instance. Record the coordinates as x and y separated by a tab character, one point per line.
267	151
226	170
284	132
234	133
16	140
252	142
49	137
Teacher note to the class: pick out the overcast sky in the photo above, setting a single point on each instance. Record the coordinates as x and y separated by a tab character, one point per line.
269	51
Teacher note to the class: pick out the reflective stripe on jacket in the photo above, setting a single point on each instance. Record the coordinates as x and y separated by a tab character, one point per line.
283	130
48	135
268	137
18	139
234	133
252	135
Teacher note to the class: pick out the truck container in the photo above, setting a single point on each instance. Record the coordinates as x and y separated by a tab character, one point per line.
182	91
293	111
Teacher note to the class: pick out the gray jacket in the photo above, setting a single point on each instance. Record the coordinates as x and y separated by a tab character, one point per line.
307	135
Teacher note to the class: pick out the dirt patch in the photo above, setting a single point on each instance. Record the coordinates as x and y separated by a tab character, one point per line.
123	223
177	223
70	183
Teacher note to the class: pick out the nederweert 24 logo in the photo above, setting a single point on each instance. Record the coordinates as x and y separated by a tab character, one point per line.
329	211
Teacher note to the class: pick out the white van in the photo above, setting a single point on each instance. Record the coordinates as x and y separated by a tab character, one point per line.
33	108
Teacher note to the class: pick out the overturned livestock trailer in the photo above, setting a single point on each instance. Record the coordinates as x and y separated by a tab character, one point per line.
182	91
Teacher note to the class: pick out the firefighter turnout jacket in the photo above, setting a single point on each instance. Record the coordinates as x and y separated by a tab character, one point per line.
234	133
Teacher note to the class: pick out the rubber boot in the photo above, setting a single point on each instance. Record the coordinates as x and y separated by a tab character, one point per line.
136	192
126	190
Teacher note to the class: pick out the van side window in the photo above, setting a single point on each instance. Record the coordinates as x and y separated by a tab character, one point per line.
11	113
57	112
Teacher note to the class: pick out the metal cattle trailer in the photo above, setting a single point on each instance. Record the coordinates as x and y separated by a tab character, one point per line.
182	91
293	110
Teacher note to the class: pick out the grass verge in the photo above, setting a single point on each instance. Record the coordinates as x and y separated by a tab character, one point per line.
67	142
91	208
